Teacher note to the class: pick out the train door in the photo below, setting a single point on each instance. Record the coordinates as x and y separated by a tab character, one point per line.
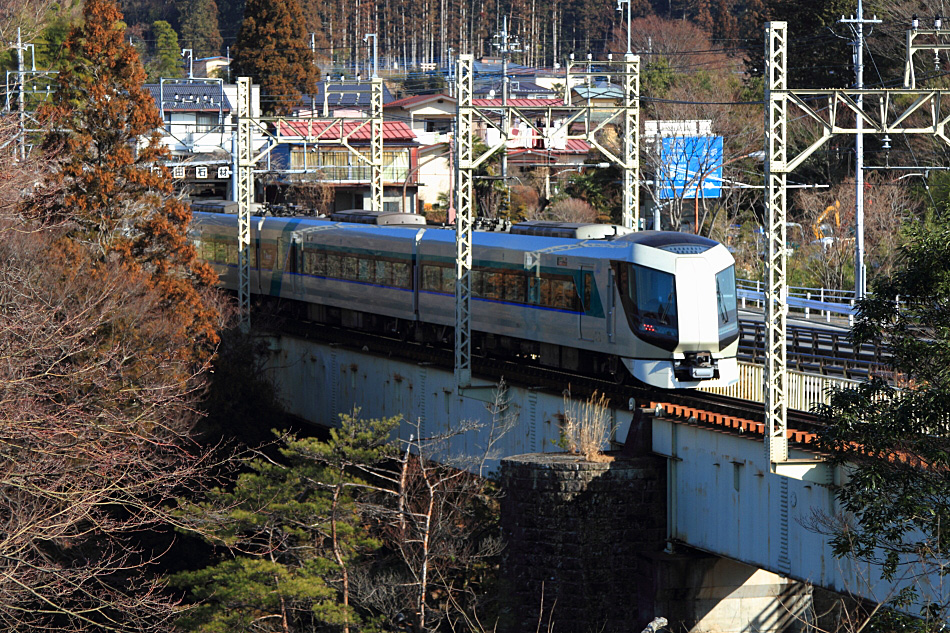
585	291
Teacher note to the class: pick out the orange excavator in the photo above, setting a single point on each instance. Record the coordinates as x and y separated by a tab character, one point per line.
822	229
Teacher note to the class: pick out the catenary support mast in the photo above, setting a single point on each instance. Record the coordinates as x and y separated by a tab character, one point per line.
776	379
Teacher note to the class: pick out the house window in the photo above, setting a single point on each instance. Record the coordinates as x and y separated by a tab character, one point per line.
206	122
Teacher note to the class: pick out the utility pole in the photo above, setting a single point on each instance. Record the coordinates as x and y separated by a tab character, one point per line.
22	105
620	4
313	60
451	74
191	61
375	58
506	47
860	273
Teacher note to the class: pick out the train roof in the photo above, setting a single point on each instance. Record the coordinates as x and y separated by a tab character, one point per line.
572	230
672	241
379	218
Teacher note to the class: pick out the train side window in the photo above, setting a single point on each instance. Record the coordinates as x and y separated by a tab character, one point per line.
534	290
588	292
314	262
207	250
563	294
220	252
478	280
448	280
232	253
492	285
366	270
514	288
384	272
319	260
268	255
334	266
349	267
401	276
431	278
547	292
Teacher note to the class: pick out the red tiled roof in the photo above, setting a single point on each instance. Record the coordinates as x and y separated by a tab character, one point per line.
573	146
407	101
576	145
519	103
350	130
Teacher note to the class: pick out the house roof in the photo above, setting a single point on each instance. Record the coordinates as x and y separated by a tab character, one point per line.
328	130
515	87
518	103
573	146
406	102
608	91
346	94
189	97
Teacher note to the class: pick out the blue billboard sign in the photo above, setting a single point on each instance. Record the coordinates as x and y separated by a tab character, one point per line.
689	164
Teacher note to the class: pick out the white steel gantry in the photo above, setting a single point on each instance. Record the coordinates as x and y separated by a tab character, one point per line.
626	114
245	196
464	212
284	130
776	309
851	111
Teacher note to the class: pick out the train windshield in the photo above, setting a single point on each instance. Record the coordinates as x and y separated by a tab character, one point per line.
648	297
726	306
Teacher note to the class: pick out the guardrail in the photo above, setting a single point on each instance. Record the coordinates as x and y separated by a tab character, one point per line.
809	301
804	390
817	351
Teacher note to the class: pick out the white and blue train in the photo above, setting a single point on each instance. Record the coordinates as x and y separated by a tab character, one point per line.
660	306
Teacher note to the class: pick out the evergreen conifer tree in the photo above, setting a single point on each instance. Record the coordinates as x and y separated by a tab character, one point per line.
117	198
272	49
166	60
199	28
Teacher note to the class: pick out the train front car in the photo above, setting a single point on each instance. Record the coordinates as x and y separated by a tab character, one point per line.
678	293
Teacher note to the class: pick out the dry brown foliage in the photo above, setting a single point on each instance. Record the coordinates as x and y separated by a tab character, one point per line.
570	210
102	367
587	426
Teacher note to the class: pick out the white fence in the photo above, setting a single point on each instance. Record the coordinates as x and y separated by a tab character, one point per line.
804	390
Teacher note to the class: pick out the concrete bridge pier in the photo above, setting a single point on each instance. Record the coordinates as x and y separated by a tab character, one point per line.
586	550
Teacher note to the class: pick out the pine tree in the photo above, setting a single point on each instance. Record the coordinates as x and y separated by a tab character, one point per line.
166	60
298	529
272	49
199	28
117	198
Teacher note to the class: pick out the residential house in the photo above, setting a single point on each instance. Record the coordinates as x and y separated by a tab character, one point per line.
518	88
199	128
597	94
340	97
335	154
429	116
217	67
